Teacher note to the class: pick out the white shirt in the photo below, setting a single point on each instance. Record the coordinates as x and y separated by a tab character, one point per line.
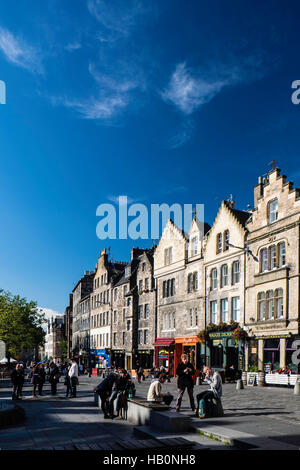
73	372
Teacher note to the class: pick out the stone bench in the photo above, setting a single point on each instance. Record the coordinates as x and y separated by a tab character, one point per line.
158	415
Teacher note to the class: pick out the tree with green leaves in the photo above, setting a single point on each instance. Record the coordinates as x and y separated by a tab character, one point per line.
20	324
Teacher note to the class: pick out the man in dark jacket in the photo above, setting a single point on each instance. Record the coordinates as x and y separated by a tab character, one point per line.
120	386
185	372
53	377
17	378
104	391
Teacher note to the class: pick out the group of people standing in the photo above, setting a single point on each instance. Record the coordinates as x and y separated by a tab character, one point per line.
38	376
185	381
117	386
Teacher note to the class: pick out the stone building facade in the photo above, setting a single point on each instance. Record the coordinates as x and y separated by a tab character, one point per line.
244	270
178	273
272	281
81	317
106	275
133	313
224	284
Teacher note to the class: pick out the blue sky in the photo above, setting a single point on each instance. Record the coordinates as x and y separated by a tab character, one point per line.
163	101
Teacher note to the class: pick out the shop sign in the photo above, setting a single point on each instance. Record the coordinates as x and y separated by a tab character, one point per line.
163	354
220	334
254	350
216	342
273	336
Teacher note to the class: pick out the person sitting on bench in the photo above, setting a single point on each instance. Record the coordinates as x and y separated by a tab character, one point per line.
213	378
155	394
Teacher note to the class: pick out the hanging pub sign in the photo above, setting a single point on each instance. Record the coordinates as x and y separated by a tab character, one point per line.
163	354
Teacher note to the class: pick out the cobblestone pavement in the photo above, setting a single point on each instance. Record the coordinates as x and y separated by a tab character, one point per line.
264	412
57	421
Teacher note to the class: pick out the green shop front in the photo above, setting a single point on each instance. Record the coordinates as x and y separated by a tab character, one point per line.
221	350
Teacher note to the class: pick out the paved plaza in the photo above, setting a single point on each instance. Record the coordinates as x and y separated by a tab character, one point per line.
264	417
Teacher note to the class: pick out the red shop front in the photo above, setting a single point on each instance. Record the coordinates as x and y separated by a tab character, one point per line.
164	354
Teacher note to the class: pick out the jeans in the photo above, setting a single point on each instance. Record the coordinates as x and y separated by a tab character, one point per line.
115	395
181	391
204	395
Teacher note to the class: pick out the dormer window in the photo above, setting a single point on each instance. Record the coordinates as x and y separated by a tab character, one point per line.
168	256
273	211
225	240
194	246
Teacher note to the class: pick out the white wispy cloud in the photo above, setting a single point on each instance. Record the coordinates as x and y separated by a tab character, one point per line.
188	91
96	107
116	16
73	46
19	53
114	95
184	133
191	88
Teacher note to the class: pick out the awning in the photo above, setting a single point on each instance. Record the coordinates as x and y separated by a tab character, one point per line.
166	342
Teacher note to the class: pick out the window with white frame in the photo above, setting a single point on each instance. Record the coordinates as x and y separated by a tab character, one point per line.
168	256
146	311
140	312
224	275
273	211
270	304
279	303
224	310
147	283
146	336
236	272
273	257
264	259
281	255
213	311
196	317
214	279
236	309
140	285
140	332
226	240
261	305
219	243
194	246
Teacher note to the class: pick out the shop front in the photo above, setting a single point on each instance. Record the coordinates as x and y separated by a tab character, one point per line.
144	357
118	358
191	346
275	352
100	358
83	358
164	354
223	351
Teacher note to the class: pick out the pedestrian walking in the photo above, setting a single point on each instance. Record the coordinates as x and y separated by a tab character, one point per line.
104	390
34	380
17	378
42	378
53	377
213	378
185	372
73	374
67	382
139	374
